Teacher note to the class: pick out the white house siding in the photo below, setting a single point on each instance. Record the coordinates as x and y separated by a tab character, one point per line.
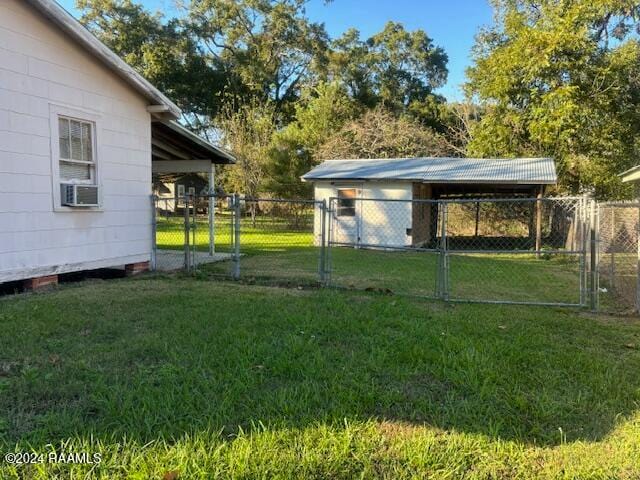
377	222
40	68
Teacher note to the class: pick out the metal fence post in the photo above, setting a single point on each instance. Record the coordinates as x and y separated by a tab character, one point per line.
323	239
329	259
585	250
212	210
443	274
593	224
194	236
154	234
446	253
187	250
236	236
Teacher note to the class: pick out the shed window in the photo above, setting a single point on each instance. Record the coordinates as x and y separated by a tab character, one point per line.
76	140
347	202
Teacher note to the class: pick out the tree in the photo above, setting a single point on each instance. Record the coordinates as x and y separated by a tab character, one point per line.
268	48
378	133
561	78
163	52
321	111
247	133
396	68
459	119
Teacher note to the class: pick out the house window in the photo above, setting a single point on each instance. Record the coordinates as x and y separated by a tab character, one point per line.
77	160
192	191
180	191
347	202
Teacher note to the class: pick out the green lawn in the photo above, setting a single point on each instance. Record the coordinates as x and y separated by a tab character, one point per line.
166	373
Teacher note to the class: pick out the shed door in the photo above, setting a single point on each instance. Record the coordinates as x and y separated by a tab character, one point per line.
346	217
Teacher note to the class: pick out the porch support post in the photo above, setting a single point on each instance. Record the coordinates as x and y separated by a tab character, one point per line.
212	209
539	220
477	217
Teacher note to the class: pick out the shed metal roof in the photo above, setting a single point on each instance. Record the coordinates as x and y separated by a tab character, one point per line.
529	171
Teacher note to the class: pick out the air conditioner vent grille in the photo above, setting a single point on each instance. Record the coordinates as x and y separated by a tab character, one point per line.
73	195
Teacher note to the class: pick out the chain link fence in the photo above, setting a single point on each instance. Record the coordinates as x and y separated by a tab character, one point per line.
258	240
531	251
618	256
277	241
541	251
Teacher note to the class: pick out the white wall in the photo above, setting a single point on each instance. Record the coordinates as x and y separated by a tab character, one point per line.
378	223
40	70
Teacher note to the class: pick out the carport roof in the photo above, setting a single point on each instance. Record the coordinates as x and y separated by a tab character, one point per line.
172	141
527	171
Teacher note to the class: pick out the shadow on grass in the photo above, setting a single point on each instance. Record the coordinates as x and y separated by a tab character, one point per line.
162	356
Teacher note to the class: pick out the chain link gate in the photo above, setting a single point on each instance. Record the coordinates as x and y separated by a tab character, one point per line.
517	250
368	249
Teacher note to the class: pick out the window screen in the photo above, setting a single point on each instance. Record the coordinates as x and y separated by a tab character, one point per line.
347	202
76	150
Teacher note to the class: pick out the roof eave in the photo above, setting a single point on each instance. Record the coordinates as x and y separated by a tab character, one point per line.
68	24
434	181
631	175
176	127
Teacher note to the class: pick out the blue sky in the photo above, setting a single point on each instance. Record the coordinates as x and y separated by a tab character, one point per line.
452	23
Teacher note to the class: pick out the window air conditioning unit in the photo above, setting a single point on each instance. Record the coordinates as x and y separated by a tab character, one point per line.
76	195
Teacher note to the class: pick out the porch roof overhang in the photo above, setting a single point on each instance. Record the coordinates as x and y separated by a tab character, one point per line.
174	149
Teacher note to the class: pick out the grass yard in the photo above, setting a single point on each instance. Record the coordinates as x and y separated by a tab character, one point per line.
166	375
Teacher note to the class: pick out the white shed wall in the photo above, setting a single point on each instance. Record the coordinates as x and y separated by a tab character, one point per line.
41	69
378	223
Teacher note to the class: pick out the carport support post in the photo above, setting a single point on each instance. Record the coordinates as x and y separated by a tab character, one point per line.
539	221
212	209
154	235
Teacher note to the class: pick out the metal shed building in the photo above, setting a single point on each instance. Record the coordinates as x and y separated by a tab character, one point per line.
405	220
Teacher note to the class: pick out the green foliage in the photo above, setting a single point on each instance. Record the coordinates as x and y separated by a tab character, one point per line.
561	79
268	49
394	67
321	111
379	133
247	131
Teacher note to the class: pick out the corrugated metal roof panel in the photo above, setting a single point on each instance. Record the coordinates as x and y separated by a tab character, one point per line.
440	170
